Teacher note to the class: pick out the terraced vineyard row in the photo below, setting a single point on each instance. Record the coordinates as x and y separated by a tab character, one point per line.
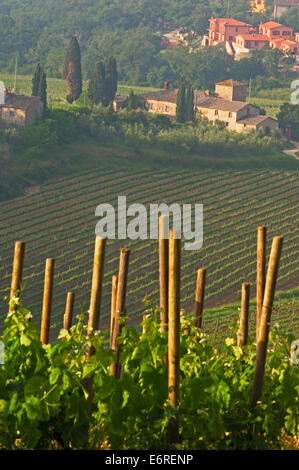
59	222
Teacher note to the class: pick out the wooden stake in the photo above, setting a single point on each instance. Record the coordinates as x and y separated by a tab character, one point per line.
96	284
17	270
199	297
243	331
47	301
69	307
113	304
163	271
120	310
261	348
174	331
260	274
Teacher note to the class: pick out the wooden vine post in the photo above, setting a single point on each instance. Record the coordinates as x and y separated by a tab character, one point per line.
47	301
163	271
199	297
96	284
261	347
244	317
69	308
94	307
120	310
174	331
17	271
113	304
260	274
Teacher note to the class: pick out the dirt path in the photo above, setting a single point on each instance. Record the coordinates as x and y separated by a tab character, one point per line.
292	152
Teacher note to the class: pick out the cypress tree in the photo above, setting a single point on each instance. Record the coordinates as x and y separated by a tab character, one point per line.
110	81
113	75
181	104
190	104
72	70
133	101
96	85
42	90
36	80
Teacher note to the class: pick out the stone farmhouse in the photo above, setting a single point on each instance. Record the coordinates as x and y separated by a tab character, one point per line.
228	104
20	109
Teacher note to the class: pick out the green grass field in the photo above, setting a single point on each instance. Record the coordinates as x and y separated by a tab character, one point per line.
57	89
58	221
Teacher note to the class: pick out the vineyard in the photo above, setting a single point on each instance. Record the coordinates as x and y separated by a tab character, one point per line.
59	222
164	387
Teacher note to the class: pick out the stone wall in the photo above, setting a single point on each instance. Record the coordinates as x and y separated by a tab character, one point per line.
11	115
35	108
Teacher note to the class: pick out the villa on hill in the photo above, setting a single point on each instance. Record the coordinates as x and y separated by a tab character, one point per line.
20	109
228	104
240	38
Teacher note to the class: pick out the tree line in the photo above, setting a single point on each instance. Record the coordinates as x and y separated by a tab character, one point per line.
102	85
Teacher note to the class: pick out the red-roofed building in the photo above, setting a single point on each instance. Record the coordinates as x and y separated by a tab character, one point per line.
226	29
287	46
275	30
244	42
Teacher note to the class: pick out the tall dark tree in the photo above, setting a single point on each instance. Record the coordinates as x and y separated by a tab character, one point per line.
96	85
36	80
42	90
111	76
190	104
181	103
133	101
72	71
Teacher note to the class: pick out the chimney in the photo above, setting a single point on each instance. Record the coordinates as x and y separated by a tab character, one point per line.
166	85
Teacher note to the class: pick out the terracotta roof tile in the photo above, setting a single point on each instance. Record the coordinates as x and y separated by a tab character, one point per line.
254	120
221	104
254	37
272	25
161	95
230	21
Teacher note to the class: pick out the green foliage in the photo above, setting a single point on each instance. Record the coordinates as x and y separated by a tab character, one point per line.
45	403
289	115
37	30
290	18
